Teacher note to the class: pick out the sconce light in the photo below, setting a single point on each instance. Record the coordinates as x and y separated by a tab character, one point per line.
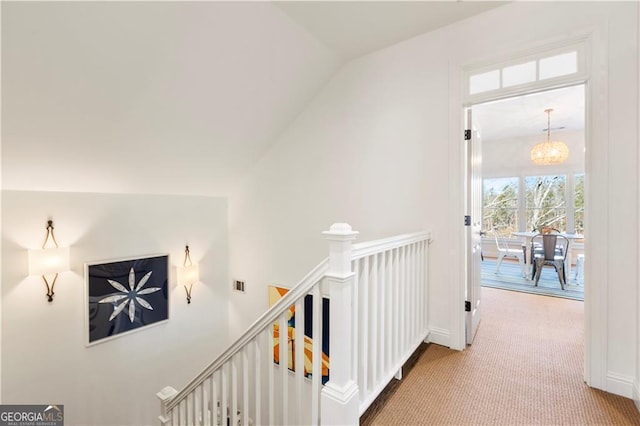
50	259
188	274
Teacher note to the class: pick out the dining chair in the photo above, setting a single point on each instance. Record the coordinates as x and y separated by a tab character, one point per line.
506	250
536	247
550	249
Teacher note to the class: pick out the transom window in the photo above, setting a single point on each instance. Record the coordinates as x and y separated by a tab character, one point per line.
526	71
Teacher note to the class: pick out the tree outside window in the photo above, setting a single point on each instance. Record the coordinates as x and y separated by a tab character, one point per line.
500	205
578	203
545	202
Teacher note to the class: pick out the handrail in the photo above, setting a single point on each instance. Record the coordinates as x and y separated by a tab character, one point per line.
368	248
264	321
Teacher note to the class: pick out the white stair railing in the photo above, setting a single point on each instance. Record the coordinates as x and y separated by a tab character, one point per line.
391	319
377	318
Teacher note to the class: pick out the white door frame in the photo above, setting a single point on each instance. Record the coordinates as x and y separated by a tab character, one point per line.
596	183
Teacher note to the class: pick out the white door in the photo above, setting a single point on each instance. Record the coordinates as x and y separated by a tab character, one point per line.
473	225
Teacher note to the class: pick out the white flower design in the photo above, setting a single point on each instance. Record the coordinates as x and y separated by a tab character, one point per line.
131	296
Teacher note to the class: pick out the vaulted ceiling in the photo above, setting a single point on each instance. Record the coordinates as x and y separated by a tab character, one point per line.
138	96
355	28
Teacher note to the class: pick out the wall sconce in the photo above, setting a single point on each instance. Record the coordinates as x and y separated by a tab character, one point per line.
188	274
49	260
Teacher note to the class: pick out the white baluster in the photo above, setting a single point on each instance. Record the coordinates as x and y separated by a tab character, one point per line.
213	413
364	327
417	319
355	314
224	390
411	283
299	359
191	408
271	368
414	288
202	409
418	293
389	308
422	291
373	348
316	361
234	392
257	353
382	314
284	367
245	387
397	303
403	298
181	412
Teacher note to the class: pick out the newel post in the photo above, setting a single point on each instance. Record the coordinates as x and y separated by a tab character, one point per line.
165	396
339	401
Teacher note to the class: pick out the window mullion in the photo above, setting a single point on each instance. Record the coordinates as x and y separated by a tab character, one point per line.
522	207
570	203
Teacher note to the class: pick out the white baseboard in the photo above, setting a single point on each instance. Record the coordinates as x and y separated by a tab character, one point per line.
620	385
636	394
439	336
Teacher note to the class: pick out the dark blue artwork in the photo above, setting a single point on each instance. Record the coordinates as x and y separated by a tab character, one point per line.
126	295
308	331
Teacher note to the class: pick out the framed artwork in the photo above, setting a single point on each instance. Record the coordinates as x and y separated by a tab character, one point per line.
275	294
124	296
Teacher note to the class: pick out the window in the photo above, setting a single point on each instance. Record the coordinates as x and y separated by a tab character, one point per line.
519	74
484	82
559	65
545	202
534	70
578	203
500	205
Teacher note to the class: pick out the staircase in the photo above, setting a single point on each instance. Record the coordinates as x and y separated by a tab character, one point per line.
372	296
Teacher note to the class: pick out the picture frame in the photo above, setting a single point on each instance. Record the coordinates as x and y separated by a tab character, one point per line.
125	296
275	294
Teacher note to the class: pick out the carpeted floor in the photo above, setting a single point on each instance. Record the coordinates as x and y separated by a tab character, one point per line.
525	367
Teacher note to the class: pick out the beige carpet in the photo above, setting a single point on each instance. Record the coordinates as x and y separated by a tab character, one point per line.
525	367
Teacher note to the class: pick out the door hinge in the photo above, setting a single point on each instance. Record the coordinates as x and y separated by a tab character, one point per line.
467	306
467	135
467	220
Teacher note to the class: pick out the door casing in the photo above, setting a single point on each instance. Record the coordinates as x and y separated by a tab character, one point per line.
596	181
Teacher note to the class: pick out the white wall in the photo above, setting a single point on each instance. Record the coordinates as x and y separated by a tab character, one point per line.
44	358
371	150
636	395
359	155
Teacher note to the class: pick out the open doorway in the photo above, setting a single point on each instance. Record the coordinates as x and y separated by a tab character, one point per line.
523	195
562	64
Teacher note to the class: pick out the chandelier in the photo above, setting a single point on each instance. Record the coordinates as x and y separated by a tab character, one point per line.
549	152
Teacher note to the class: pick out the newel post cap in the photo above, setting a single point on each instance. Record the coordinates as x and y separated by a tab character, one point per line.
341	231
166	393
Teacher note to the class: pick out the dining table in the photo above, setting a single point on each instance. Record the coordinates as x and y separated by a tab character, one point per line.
528	236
